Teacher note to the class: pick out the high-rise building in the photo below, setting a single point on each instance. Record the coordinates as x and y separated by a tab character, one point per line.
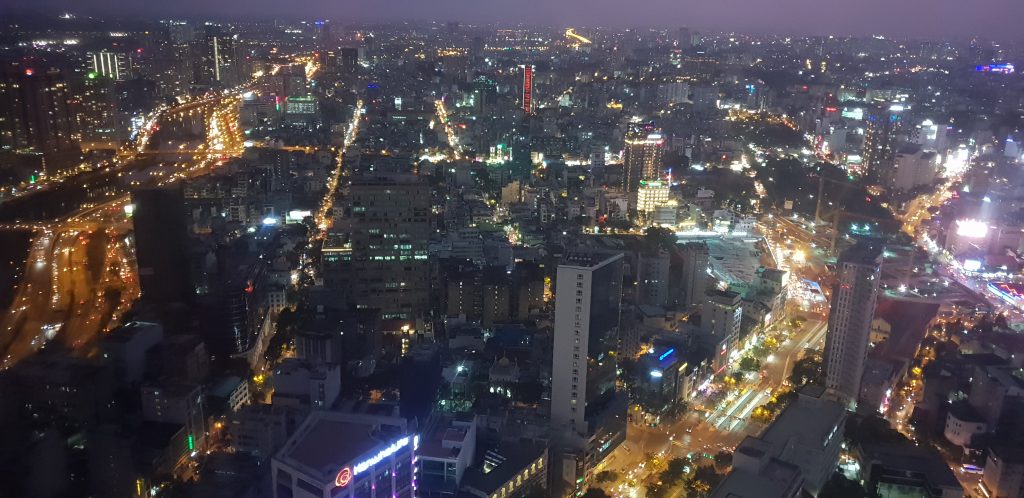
586	410
880	143
528	89
114	65
35	111
696	258
161	244
221	63
854	297
721	314
102	124
645	147
685	38
914	167
390	231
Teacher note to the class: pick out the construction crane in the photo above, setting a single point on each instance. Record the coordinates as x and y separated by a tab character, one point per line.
821	194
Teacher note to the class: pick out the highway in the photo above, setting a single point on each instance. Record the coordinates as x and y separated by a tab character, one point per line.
80	277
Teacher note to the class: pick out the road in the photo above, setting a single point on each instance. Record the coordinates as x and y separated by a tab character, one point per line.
701	432
80	276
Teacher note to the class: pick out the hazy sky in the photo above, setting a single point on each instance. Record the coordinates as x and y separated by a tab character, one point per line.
912	18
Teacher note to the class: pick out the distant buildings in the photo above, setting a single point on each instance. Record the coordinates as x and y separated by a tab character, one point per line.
849	324
36	111
221	58
114	65
915	167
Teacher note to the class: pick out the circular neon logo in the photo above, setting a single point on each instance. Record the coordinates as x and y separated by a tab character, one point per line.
344	477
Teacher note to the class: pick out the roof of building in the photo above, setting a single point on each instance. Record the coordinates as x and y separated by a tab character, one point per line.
775	479
589	260
908	457
315	448
909	321
963	411
810	419
511	459
864	252
1012	454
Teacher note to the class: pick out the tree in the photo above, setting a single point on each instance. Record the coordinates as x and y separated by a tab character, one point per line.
838	486
674	473
704	480
595	493
606	476
807	370
723	460
659	237
749	364
655	490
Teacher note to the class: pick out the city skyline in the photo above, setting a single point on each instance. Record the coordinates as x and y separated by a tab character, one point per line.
336	256
912	19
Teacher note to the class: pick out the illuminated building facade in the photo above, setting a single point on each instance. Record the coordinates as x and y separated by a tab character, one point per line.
221	60
528	89
35	112
587	411
879	153
347	455
650	195
645	147
102	125
854	298
110	64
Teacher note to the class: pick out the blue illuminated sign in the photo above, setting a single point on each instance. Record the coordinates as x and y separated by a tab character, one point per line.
666	354
363	466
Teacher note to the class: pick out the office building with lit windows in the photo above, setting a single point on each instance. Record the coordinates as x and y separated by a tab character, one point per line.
587	412
347	455
390	221
36	111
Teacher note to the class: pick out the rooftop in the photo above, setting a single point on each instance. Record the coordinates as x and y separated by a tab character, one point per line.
864	252
315	447
810	419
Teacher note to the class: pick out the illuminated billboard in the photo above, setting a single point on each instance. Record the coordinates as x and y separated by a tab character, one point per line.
1003	68
1008	291
972	229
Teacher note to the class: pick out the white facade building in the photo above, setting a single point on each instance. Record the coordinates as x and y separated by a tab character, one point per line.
854	298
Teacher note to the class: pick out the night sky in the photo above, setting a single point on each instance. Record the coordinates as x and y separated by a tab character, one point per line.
898	18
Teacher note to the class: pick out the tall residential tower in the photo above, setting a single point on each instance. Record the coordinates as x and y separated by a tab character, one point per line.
586	410
849	324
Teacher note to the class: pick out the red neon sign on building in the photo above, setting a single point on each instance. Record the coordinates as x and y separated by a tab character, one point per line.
528	89
343	478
